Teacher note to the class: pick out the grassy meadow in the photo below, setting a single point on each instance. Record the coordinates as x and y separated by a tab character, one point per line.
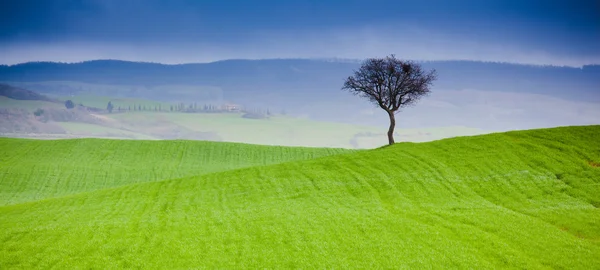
34	169
522	199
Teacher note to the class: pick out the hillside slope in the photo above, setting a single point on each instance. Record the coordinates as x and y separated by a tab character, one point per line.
33	170
17	93
526	199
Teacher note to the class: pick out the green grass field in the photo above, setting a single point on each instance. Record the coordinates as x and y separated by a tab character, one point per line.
34	170
523	199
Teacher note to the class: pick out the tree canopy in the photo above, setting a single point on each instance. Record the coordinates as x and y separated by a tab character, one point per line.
69	104
391	84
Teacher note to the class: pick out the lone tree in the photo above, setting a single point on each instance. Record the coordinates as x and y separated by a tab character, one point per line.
69	104
391	84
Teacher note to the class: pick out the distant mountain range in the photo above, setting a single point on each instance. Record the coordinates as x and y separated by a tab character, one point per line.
322	77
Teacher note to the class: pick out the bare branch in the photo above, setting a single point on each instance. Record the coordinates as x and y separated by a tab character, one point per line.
390	83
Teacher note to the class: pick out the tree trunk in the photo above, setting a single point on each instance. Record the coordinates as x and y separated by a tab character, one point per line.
392	126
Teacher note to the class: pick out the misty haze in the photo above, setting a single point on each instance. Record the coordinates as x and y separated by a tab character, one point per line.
287	102
299	134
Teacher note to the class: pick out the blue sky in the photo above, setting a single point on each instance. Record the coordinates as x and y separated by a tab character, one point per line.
183	31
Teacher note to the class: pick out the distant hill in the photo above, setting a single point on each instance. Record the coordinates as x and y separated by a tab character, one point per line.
245	78
21	94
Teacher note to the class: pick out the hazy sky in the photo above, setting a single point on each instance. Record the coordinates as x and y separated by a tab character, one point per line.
553	32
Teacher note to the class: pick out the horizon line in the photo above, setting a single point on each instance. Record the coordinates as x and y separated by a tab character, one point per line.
322	59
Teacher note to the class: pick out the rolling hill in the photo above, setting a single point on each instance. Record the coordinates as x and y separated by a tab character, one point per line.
17	93
84	165
522	199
